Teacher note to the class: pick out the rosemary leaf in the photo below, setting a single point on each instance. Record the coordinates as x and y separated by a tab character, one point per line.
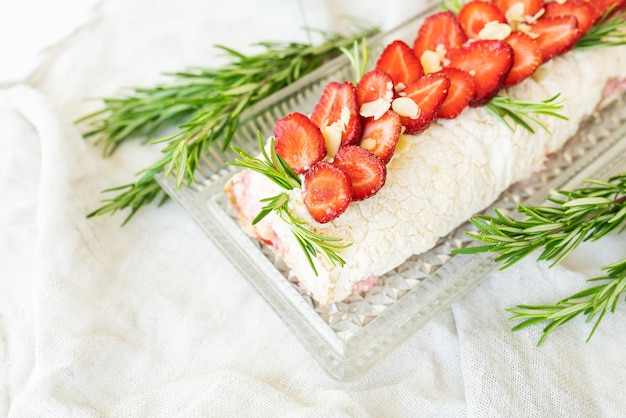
521	111
608	31
593	302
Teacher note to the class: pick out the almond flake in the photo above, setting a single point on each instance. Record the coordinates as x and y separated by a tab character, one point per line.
405	106
332	133
515	13
441	50
532	19
495	30
431	62
368	143
377	108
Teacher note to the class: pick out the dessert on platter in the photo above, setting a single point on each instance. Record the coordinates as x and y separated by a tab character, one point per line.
444	123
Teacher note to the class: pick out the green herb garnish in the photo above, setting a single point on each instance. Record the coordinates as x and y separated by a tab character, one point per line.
521	111
593	302
272	166
584	214
610	30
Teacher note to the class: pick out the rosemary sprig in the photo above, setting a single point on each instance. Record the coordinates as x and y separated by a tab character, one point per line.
272	166
593	302
610	30
359	58
213	101
311	243
521	111
586	213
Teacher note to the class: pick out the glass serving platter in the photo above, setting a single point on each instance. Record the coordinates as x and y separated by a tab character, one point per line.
348	337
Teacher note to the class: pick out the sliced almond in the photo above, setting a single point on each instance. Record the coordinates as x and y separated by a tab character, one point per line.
532	19
405	106
377	108
431	62
368	143
495	30
332	133
515	14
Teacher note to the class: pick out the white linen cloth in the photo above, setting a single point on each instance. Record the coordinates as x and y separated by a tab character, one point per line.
150	320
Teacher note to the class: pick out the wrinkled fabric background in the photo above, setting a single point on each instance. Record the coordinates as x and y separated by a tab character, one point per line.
150	320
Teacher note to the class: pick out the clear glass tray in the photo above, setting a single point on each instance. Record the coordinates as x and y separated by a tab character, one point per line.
349	337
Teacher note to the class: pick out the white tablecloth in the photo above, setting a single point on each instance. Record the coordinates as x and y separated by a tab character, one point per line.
150	320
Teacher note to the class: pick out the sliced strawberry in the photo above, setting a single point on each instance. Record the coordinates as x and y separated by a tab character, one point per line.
441	28
327	191
526	57
400	62
474	15
380	136
462	90
556	35
374	86
428	93
299	141
602	6
488	61
531	7
367	173
584	12
338	106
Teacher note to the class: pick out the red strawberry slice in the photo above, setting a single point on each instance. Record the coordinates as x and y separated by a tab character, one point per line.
299	142
374	85
380	136
428	92
556	35
330	109
488	61
400	62
462	90
441	28
474	15
367	173
526	57
602	6
531	7
327	191
584	12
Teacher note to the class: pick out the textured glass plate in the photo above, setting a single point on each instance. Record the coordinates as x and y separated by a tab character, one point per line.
349	337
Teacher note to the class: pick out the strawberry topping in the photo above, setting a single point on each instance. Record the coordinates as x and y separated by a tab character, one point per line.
327	191
337	111
462	90
474	15
380	136
428	93
557	35
400	62
439	30
526	57
299	142
584	12
602	6
375	91
367	173
488	61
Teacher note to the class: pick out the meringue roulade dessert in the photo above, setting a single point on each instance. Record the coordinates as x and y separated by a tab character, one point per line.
385	167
